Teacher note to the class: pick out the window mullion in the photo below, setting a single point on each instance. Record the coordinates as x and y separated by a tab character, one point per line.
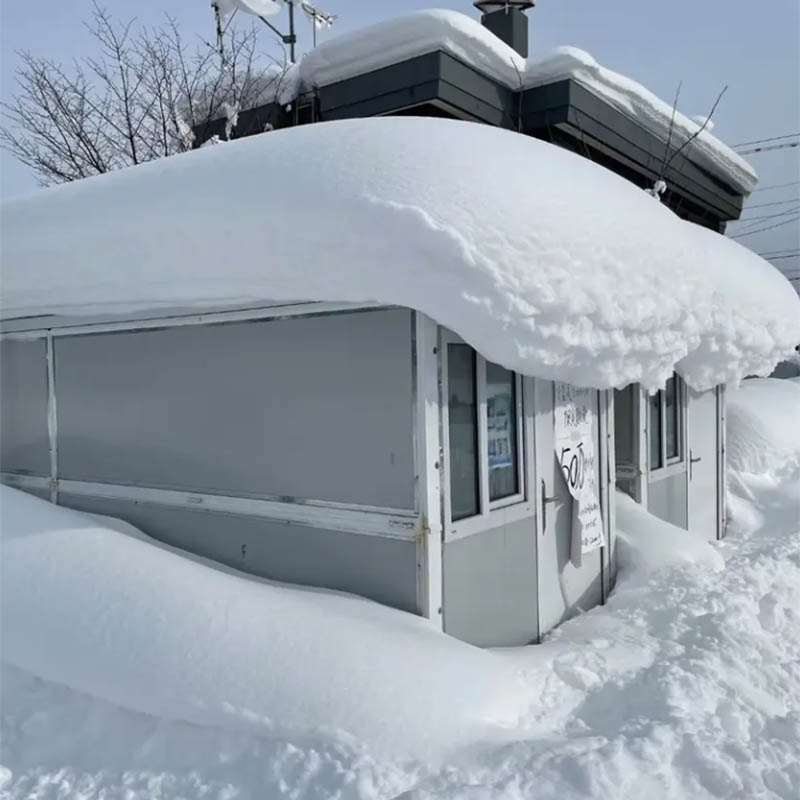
483	427
520	411
663	438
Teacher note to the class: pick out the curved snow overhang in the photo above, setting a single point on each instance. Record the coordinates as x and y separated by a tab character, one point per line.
545	262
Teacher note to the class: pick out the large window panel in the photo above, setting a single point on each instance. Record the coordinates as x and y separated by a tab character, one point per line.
463	431
24	438
501	440
317	408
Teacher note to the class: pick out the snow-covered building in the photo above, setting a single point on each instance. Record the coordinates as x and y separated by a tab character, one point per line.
347	355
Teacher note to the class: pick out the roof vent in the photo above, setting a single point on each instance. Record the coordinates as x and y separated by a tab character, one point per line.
506	19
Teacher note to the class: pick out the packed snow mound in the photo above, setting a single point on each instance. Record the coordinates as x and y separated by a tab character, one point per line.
408	36
683	686
640	104
119	617
763	426
427	31
646	543
561	270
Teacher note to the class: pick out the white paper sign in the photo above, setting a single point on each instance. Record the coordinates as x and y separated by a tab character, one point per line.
575	415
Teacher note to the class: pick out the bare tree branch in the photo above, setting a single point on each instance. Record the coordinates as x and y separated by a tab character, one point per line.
139	98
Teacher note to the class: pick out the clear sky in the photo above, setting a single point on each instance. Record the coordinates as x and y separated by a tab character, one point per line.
754	48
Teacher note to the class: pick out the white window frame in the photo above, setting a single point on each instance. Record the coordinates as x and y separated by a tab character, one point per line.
492	513
677	464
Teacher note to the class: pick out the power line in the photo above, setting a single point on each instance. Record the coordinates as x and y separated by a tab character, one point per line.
774	203
770	139
769	216
778	258
768	228
766	149
772	253
776	186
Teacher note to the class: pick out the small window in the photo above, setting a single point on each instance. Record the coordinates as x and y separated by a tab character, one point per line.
665	424
672	426
463	430
485	451
501	428
656	431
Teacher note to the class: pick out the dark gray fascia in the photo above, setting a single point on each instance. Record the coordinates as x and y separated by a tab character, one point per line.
431	78
570	108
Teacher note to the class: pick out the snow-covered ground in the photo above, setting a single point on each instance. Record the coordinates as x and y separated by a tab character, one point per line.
216	685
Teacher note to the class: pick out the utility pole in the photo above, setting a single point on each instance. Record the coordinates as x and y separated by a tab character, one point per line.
292	37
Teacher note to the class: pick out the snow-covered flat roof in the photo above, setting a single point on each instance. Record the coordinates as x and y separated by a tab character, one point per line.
640	104
544	261
463	37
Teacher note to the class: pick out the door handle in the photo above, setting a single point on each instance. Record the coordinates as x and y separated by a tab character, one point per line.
545	501
692	461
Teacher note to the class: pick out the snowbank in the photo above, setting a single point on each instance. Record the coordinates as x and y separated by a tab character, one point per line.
763	426
150	629
649	111
684	686
463	37
646	543
561	269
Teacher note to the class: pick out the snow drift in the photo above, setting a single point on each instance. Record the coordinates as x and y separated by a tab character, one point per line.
646	543
117	616
685	685
759	442
560	269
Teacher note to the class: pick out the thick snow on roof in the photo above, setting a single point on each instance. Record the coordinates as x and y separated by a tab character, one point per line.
542	260
642	105
421	32
97	606
411	35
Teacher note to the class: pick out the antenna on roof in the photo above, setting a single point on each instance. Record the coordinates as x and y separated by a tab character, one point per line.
318	19
225	9
659	185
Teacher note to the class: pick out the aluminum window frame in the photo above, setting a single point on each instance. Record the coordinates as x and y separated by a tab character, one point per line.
676	464
321	514
492	513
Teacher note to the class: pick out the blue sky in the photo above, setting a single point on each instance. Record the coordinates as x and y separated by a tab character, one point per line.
752	47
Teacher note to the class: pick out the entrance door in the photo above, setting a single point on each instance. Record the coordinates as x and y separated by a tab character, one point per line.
563	588
703	444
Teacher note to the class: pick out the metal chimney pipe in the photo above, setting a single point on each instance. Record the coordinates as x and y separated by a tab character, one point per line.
507	21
